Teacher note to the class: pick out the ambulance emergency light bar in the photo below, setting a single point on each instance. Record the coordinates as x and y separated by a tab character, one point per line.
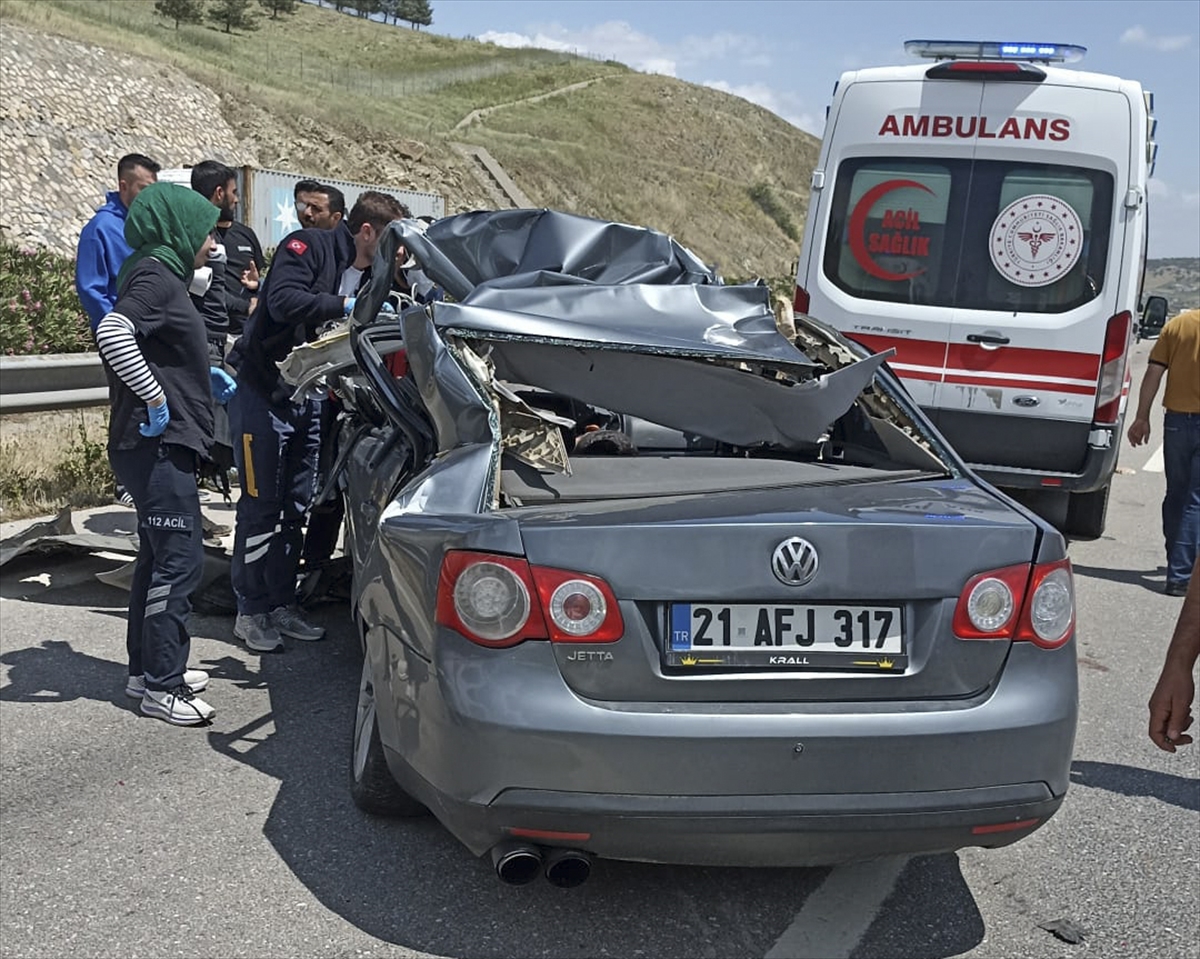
995	50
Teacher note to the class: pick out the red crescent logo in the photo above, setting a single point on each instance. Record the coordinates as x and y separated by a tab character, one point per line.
858	224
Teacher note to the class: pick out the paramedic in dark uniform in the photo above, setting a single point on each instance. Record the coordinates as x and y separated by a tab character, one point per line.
161	387
277	441
325	519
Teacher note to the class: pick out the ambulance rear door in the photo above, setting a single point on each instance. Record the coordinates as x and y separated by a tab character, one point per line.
1038	268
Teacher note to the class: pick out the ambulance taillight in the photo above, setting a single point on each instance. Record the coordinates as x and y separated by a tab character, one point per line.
1112	368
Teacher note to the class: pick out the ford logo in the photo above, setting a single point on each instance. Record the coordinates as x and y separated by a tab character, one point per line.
794	561
1025	401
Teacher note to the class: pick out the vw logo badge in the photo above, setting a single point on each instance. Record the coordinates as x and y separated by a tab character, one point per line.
794	561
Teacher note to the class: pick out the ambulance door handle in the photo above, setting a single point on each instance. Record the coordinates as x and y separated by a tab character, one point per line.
988	338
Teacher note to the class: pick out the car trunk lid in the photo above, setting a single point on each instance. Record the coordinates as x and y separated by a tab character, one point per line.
891	561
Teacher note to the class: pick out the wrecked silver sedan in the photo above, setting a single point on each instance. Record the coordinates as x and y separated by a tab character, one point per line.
638	576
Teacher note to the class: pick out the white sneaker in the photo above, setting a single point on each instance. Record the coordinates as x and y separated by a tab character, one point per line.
287	620
194	679
177	706
256	631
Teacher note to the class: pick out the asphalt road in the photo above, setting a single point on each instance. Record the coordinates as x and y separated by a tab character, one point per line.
122	836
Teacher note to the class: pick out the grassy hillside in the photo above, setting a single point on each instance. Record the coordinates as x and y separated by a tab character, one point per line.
326	93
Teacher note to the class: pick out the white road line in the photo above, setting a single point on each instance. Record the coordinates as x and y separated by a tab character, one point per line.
1155	463
835	918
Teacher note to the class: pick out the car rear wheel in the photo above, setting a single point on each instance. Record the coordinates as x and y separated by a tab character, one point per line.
371	784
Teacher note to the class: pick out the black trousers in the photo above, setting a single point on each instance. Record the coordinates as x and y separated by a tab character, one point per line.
275	450
161	478
325	519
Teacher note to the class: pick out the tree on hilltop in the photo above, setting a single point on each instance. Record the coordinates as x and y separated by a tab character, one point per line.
418	13
233	15
286	7
181	11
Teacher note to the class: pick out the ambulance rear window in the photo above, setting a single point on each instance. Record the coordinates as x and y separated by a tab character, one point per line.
980	235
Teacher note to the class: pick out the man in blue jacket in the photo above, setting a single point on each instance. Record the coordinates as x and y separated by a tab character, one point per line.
103	251
102	247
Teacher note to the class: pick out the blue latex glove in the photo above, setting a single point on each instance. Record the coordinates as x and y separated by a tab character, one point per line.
159	415
348	307
223	385
387	307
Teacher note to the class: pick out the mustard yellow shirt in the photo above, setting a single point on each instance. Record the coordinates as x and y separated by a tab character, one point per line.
1178	349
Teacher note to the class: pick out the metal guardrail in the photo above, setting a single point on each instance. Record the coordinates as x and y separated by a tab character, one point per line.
52	381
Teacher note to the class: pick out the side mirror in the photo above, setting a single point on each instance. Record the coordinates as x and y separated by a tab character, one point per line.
1154	316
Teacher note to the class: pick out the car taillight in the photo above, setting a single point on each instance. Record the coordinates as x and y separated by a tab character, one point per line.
488	598
1048	618
800	302
497	601
580	608
1112	368
1022	603
990	602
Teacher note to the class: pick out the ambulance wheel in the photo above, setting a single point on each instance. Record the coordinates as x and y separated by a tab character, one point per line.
1086	514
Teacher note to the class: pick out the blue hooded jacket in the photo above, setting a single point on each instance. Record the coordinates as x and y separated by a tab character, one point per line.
102	251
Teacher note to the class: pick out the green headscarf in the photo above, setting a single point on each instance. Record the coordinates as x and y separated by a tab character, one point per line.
168	222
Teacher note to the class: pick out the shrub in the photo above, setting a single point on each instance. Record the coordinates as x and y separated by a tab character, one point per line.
84	473
58	460
40	311
765	199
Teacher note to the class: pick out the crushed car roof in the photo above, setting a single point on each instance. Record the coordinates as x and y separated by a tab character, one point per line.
605	312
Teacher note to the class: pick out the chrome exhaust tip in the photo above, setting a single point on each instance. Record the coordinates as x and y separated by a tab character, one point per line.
516	863
568	868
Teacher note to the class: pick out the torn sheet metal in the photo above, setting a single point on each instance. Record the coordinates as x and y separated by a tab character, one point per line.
54	537
58	535
487	245
532	435
709	399
462	481
459	253
306	365
733	323
459	403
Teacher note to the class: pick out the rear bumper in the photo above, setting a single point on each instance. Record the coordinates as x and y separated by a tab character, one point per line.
723	784
1099	463
755	831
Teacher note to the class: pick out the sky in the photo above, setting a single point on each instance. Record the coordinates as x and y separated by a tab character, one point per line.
785	55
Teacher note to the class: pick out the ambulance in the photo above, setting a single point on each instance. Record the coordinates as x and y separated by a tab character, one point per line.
984	215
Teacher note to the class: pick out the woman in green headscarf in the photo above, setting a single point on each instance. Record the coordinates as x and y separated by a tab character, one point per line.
161	387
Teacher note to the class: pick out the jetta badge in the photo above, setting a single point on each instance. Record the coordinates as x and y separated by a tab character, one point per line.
794	561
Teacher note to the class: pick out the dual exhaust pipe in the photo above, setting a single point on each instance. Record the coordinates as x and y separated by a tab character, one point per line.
518	863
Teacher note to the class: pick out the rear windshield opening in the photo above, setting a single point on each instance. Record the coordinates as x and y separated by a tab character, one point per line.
615	455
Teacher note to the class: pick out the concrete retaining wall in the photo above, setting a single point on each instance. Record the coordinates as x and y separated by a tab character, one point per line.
69	111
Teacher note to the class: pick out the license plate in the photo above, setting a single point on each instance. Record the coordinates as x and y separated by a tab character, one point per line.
822	636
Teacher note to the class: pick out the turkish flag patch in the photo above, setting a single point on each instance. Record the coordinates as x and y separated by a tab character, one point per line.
297	246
